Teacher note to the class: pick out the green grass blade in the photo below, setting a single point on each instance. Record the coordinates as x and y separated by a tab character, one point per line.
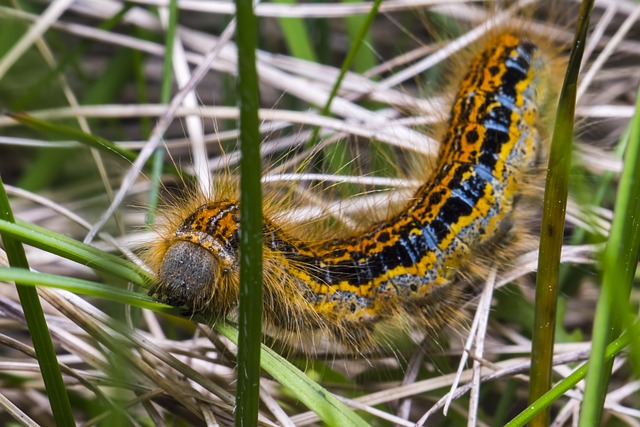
336	154
53	130
332	411
78	286
346	64
250	293
157	164
574	378
167	66
73	250
553	218
364	59
619	263
165	96
37	324
296	36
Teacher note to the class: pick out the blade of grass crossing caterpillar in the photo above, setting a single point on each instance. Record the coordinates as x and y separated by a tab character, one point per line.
250	288
619	262
42	343
322	402
553	220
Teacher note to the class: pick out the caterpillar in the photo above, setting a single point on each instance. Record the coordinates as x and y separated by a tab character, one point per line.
409	269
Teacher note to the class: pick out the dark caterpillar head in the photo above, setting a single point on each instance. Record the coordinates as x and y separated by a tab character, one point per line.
199	269
187	275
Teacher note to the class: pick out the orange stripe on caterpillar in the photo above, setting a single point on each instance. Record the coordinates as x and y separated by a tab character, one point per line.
405	267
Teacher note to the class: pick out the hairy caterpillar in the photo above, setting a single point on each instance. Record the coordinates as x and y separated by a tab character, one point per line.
408	268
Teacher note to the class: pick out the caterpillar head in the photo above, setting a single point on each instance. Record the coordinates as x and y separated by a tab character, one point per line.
199	268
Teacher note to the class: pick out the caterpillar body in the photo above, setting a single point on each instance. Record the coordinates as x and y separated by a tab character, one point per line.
407	268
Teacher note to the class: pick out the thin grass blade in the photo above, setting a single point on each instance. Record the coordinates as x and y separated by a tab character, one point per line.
74	250
53	130
619	262
553	219
356	44
535	408
322	402
296	36
30	279
37	324
250	293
